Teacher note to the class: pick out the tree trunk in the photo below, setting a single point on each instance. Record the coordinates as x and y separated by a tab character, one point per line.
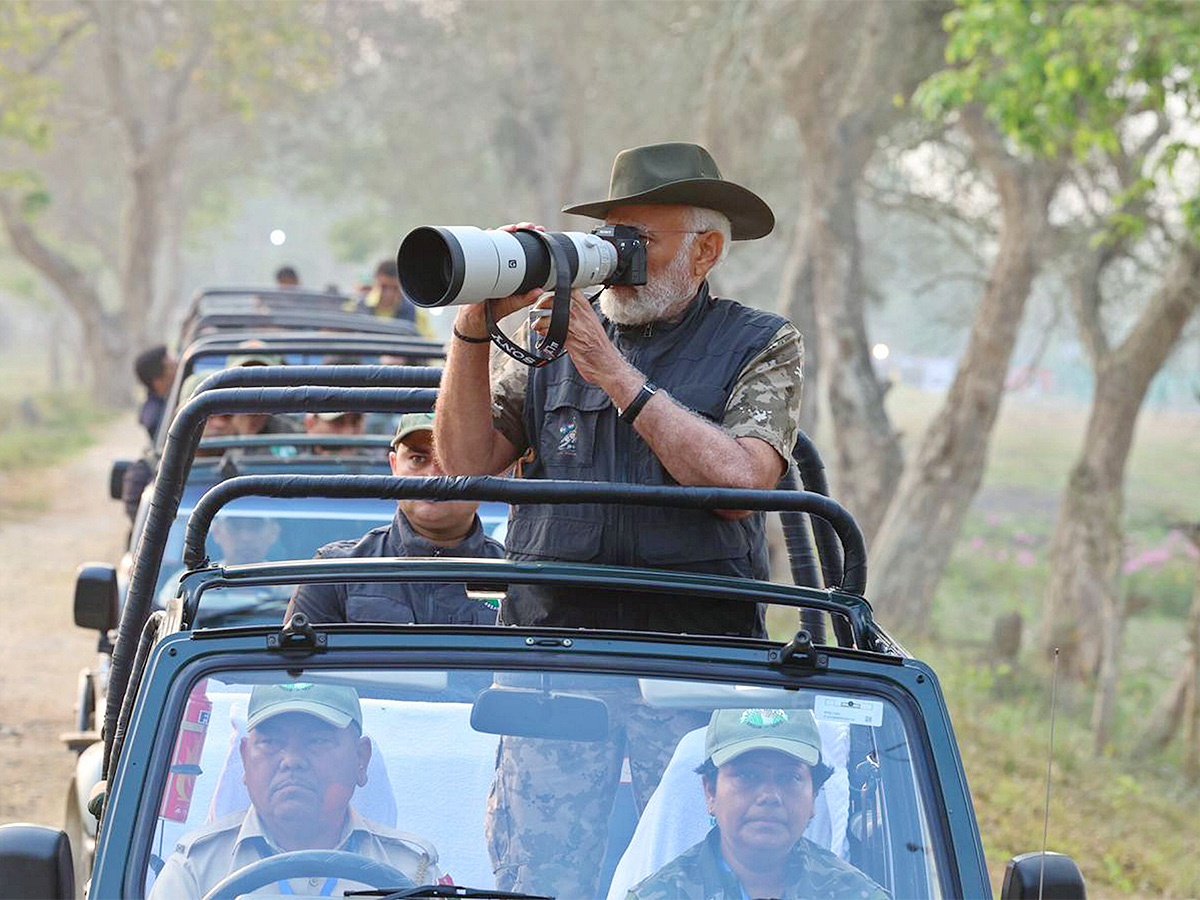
937	488
107	352
855	59
1086	547
866	450
795	300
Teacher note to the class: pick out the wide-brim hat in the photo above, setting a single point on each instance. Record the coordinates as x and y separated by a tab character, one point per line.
685	174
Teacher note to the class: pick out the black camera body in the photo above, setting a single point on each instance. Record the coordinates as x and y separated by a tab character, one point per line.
631	254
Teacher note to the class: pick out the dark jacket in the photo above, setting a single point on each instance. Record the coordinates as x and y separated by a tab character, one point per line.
577	435
420	603
151	414
700	873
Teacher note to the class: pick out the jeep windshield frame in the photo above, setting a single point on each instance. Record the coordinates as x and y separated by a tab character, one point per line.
181	659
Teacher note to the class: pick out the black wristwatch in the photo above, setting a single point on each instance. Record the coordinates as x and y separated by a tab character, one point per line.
630	412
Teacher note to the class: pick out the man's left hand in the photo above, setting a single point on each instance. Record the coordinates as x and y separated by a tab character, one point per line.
592	352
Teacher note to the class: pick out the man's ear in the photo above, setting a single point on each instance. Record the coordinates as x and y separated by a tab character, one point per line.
242	750
364	759
392	460
710	794
706	252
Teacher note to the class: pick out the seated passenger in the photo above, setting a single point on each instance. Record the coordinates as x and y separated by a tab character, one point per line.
335	424
241	540
420	528
304	756
761	774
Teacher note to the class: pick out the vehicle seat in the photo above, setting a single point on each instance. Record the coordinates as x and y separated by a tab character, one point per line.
676	818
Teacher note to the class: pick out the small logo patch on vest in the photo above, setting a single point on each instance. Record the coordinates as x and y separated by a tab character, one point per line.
568	438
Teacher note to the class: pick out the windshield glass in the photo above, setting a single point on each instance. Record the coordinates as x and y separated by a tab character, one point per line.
561	784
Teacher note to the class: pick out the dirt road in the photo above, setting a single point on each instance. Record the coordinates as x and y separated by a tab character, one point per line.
41	650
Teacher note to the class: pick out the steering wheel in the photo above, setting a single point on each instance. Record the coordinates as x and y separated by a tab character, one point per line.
307	864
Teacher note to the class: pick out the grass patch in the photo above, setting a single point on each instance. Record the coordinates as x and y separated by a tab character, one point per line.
36	432
46	429
1128	821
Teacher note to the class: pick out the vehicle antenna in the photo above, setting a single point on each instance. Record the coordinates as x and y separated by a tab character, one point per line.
1049	768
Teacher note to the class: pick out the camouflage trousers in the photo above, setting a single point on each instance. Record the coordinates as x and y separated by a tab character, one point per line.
550	801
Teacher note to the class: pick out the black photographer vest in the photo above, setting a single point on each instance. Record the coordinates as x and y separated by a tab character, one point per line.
577	435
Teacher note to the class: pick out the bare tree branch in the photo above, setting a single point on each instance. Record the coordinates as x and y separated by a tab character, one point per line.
47	56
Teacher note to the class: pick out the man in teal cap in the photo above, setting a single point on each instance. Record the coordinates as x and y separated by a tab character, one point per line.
761	775
419	528
304	756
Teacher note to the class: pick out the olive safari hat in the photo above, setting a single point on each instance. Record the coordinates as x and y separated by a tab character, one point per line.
732	732
684	174
333	703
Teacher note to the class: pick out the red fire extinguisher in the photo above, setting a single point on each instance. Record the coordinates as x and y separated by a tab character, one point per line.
185	765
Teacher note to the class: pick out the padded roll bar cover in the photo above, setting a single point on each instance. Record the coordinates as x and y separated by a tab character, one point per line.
516	490
178	453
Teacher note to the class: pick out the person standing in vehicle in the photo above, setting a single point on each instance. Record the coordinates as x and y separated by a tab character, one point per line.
420	528
661	384
304	756
155	369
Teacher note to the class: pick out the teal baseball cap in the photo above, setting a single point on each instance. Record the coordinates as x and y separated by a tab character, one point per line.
333	703
412	422
732	732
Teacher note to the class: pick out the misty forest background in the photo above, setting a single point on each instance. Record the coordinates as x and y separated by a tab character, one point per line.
987	231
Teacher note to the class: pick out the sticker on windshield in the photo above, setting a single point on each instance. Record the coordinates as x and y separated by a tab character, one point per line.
848	710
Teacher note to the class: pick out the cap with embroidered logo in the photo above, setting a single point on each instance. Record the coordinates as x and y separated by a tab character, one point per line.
333	703
732	732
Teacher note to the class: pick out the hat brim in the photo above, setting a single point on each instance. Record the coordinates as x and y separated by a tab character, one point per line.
806	753
749	216
334	717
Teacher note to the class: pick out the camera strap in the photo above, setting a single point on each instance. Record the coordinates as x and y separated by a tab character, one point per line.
552	345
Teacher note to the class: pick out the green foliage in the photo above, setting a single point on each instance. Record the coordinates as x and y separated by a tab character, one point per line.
1069	77
29	35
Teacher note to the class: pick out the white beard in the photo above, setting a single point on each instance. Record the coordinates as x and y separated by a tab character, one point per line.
650	302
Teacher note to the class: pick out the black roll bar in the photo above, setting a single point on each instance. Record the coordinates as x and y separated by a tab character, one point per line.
518	490
299	376
812	475
178	453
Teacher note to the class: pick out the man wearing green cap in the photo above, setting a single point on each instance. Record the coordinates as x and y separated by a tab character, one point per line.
761	774
661	383
419	528
304	756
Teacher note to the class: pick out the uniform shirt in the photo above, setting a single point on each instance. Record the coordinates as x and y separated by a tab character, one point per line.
764	403
206	856
419	603
700	873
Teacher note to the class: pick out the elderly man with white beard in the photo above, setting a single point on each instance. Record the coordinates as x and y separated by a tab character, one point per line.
660	384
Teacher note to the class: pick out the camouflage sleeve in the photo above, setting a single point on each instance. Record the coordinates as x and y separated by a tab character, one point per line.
765	401
509	379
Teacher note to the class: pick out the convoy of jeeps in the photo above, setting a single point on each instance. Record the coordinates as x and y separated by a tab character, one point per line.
194	656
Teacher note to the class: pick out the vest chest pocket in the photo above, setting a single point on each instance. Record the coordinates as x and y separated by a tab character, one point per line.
367	603
570	421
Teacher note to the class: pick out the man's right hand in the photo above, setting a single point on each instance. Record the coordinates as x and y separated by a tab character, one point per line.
471	319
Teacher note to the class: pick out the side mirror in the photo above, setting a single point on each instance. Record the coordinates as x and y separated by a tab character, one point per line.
96	597
1062	879
540	714
36	862
116	477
